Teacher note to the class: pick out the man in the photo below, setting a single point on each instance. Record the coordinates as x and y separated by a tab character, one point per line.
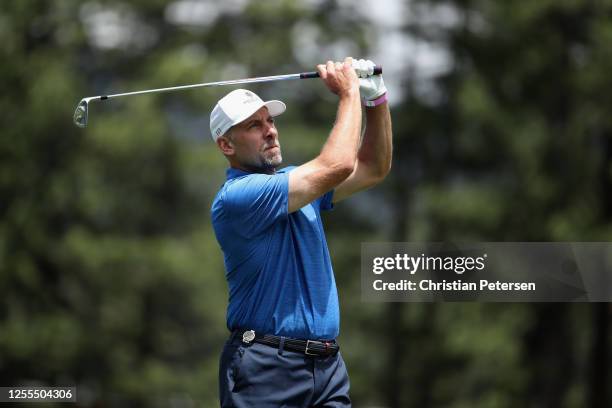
283	304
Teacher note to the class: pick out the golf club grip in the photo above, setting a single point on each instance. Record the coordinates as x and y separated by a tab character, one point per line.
315	74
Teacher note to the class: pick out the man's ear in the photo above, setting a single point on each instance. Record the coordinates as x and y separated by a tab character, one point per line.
226	146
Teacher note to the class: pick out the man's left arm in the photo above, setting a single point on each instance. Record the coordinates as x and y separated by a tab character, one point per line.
374	156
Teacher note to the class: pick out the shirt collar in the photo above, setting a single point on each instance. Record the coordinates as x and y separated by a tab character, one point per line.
232	173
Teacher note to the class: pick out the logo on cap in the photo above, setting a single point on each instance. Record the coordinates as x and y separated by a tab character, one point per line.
250	97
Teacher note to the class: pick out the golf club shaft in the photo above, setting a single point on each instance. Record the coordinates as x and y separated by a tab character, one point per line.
81	112
303	75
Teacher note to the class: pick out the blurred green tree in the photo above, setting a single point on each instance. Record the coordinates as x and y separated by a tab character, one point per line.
110	275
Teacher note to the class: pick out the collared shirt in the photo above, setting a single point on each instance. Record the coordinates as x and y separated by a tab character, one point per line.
277	264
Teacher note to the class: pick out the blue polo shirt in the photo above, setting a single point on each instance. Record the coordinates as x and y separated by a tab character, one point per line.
277	264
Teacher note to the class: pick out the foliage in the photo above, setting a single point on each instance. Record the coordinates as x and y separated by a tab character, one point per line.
110	275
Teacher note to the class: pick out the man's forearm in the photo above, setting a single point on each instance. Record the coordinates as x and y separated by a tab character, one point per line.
377	148
343	142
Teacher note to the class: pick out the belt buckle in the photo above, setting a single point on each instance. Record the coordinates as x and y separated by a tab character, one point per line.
248	336
307	346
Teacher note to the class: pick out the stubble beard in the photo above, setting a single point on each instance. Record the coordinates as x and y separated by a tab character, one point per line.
264	162
271	162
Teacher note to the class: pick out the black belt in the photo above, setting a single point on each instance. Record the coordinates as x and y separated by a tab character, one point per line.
308	347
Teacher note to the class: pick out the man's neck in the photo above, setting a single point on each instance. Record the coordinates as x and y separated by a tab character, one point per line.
250	169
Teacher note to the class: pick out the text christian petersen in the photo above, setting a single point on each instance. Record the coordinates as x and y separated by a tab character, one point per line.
457	264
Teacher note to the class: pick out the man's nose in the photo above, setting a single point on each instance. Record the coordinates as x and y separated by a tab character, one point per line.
270	132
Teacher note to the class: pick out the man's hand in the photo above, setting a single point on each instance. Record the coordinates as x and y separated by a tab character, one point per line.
370	86
340	78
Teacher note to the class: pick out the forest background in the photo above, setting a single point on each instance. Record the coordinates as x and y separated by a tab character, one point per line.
110	275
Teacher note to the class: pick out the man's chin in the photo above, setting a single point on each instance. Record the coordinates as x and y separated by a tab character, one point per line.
274	161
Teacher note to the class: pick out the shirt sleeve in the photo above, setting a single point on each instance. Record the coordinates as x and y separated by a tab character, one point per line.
325	201
322	203
256	201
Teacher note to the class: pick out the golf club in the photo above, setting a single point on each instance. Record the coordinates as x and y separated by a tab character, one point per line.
82	109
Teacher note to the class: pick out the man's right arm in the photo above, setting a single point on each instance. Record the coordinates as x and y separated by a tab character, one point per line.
337	158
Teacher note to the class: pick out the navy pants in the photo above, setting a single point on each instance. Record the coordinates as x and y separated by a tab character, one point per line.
256	375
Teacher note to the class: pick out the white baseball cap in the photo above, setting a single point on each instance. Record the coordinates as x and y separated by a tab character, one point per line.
237	106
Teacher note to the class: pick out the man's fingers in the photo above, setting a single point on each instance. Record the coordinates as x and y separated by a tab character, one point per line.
363	69
331	68
370	65
339	77
322	71
348	62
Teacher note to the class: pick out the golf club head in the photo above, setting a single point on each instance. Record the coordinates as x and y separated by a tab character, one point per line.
80	113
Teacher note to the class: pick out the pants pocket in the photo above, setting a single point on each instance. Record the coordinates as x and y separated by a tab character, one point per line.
229	368
235	368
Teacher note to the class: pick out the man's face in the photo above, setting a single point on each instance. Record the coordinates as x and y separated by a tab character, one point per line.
255	142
